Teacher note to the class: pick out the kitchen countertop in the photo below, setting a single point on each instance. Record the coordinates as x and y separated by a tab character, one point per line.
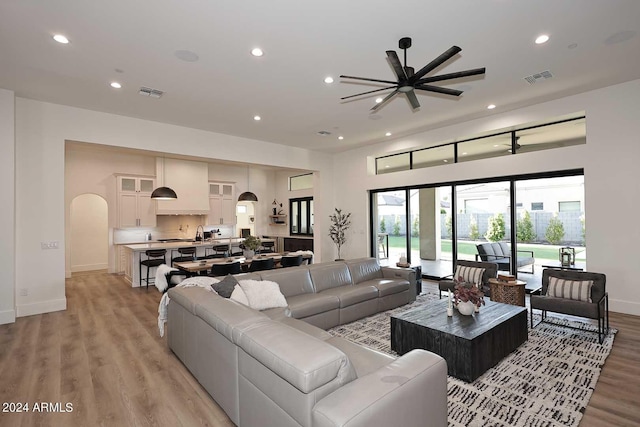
173	245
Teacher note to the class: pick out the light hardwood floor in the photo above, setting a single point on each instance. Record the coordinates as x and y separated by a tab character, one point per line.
104	356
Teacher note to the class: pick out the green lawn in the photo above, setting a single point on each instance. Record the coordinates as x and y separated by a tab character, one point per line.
540	251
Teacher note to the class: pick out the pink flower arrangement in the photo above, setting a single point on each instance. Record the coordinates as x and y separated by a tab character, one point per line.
467	292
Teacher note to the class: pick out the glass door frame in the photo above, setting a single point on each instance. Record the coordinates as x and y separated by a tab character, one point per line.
512	179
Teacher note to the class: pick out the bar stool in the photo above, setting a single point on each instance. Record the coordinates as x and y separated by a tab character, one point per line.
184	254
267	247
218	251
155	258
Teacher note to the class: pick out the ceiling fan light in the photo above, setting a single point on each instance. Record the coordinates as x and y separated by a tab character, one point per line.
164	193
247	196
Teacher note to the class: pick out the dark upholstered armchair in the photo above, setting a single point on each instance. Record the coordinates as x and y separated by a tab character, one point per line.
490	271
500	253
598	308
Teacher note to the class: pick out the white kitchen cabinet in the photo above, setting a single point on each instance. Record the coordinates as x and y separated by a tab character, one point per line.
222	203
135	206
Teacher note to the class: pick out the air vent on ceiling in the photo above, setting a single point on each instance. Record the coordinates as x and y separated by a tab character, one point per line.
153	93
324	133
538	77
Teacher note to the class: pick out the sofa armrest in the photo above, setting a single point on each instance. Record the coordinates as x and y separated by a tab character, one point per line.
399	273
410	391
529	252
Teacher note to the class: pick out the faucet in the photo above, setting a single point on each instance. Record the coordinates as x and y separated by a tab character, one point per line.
200	227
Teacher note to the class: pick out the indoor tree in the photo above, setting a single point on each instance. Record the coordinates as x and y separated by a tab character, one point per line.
340	223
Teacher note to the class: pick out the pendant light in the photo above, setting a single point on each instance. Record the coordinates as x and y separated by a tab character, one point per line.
247	196
163	193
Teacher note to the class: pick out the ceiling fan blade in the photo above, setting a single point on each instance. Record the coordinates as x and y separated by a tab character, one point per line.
388	97
413	99
410	71
397	66
444	90
368	80
450	76
448	54
371	91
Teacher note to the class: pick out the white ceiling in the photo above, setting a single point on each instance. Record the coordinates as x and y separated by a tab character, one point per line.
304	42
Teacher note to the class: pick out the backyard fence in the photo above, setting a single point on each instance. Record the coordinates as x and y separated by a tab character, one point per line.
571	222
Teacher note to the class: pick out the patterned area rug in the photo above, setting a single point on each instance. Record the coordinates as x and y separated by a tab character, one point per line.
547	381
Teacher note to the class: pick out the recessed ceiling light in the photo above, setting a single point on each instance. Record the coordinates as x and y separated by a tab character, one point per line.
257	118
378	100
341	137
495	145
386	166
491	106
446	161
543	38
464	154
387	134
61	39
328	79
115	85
257	51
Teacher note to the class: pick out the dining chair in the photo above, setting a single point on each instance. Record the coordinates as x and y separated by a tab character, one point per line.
258	264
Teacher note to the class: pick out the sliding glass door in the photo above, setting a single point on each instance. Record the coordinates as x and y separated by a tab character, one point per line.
434	225
551	220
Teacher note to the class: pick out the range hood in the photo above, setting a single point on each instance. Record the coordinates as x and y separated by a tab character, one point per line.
190	181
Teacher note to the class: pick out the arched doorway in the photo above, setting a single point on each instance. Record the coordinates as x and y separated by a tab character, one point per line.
89	236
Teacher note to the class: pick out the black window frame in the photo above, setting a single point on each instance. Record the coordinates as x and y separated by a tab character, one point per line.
309	202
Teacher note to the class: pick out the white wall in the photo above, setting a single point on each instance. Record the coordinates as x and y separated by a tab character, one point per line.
7	213
609	158
41	131
89	232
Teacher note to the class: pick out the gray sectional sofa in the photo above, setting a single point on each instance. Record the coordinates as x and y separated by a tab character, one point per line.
280	367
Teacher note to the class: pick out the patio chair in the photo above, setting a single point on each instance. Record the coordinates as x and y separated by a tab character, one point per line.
490	271
500	253
567	292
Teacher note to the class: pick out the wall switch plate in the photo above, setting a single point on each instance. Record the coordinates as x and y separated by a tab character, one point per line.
49	245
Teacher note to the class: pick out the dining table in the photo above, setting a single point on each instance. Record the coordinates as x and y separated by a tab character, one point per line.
199	266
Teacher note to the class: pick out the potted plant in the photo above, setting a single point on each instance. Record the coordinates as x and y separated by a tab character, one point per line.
340	223
467	296
249	245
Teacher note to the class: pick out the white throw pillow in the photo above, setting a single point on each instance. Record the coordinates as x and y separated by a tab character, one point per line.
579	290
238	295
469	274
263	294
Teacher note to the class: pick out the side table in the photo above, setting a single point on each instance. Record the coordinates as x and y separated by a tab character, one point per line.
507	292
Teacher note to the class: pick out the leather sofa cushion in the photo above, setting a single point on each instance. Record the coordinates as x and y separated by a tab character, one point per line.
364	269
363	359
305	362
305	305
226	316
350	295
388	286
292	281
329	275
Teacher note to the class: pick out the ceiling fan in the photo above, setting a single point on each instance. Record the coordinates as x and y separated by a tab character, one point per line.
409	80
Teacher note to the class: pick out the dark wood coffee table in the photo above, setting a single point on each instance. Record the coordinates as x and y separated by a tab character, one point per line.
470	344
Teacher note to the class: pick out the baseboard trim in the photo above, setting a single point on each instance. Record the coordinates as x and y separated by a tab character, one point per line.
626	307
7	316
89	267
41	307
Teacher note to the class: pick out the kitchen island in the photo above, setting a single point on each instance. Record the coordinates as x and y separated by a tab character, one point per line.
133	252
